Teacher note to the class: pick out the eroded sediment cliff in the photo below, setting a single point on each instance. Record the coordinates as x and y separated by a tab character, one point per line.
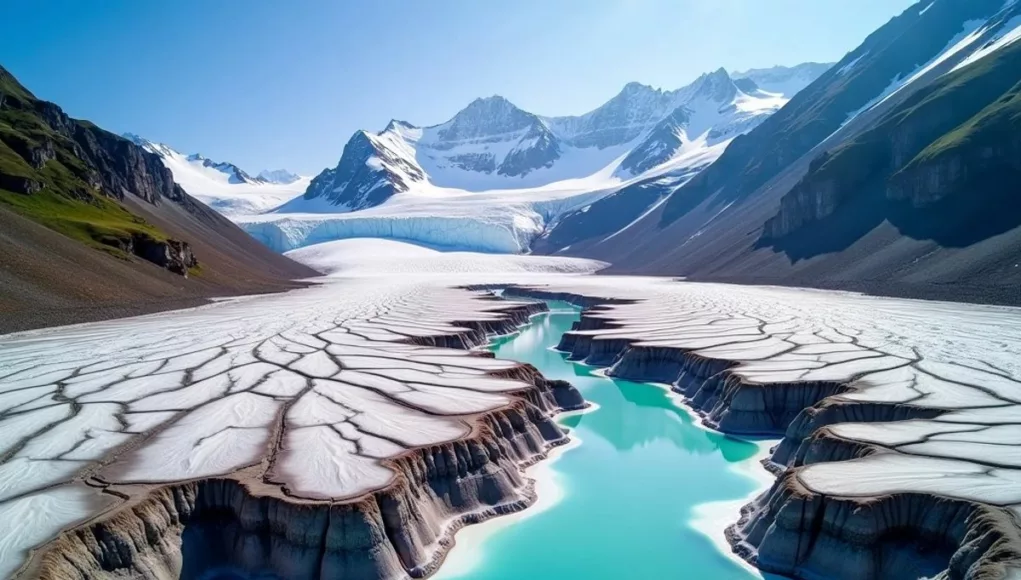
800	528
252	522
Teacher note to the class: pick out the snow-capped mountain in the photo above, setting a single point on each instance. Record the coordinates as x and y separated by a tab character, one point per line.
710	112
495	177
894	171
281	176
784	80
234	173
494	145
223	186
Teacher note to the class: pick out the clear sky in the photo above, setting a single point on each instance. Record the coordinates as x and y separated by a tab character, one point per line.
267	84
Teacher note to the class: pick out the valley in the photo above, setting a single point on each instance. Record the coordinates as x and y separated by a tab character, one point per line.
763	325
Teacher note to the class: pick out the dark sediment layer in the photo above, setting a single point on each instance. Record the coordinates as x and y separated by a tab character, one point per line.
794	531
791	529
243	524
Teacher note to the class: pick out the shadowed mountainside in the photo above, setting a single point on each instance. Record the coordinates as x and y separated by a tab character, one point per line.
890	174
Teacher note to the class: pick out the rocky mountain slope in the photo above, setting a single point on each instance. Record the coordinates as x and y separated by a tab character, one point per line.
493	144
889	174
92	221
495	177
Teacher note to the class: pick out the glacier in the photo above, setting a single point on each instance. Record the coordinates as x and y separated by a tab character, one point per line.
495	178
899	415
496	222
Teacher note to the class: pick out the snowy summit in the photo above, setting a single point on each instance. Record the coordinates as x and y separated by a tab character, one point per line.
494	177
224	186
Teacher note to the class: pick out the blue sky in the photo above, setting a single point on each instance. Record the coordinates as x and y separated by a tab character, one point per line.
284	84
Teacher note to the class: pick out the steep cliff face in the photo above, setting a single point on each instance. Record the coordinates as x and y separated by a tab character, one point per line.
69	169
799	528
403	531
979	157
252	522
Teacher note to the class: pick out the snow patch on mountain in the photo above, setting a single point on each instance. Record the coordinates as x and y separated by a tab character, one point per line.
223	186
1004	36
711	112
977	39
494	177
782	80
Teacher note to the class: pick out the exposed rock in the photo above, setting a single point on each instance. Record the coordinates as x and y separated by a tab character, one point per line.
89	161
367	174
124	168
173	255
793	529
18	184
187	530
953	137
251	521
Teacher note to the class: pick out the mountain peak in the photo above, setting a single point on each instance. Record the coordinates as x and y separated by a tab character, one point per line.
784	80
485	117
636	91
279	176
493	100
135	139
150	146
637	87
493	105
397	124
715	86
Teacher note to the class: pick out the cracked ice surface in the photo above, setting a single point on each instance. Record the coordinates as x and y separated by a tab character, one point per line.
328	371
963	360
313	389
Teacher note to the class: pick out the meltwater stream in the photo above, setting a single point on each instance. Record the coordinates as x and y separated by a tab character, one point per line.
625	500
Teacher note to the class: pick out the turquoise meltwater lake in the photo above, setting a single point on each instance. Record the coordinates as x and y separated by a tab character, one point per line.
627	500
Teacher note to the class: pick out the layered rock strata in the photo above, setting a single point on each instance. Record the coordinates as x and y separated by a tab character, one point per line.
334	439
900	420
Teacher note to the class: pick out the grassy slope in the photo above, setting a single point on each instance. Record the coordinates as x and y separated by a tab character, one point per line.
998	119
66	203
956	112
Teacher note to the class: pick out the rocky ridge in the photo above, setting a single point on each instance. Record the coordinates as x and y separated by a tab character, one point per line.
493	144
884	175
51	158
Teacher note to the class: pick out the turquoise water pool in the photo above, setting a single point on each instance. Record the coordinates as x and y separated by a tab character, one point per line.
628	491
